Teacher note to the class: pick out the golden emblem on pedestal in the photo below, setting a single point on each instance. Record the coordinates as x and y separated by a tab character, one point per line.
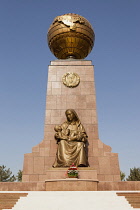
71	79
71	35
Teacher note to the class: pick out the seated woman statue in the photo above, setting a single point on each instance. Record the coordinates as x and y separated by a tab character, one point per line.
71	138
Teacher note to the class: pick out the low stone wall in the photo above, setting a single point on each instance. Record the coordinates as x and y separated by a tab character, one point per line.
22	186
119	186
42	186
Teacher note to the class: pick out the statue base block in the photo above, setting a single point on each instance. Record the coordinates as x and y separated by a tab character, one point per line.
61	173
71	184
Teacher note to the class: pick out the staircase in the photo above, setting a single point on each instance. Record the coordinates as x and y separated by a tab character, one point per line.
8	200
71	200
132	197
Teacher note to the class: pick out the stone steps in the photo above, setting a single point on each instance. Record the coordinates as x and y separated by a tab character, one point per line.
67	200
8	200
133	198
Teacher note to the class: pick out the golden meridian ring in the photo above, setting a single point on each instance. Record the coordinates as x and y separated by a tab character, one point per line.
71	79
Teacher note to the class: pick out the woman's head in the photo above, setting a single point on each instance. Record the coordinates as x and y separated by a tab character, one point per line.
71	115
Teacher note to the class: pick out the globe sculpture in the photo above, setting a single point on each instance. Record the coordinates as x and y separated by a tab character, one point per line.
70	36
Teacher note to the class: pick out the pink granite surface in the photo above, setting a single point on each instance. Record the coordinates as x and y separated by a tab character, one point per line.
71	185
83	99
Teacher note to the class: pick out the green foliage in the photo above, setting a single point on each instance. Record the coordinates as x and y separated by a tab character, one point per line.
134	174
19	176
6	175
122	175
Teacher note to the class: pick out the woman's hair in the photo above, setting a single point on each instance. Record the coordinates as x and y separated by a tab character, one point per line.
75	114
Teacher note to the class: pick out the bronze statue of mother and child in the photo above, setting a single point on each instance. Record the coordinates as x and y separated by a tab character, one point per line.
71	138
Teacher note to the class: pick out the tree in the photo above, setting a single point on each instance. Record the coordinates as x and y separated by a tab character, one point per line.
6	175
19	176
134	174
122	175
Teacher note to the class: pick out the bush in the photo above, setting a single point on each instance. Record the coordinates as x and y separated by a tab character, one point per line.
6	175
134	174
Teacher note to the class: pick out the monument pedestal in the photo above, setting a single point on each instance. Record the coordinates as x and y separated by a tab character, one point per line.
71	184
57	180
61	173
82	99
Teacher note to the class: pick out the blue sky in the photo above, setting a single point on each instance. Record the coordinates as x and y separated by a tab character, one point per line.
24	60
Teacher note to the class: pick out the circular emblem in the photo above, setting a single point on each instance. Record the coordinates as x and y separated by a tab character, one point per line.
71	79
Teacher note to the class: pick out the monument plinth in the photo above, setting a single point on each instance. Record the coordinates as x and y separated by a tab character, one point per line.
71	86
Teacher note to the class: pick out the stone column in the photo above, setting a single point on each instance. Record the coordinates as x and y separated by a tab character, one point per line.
82	99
